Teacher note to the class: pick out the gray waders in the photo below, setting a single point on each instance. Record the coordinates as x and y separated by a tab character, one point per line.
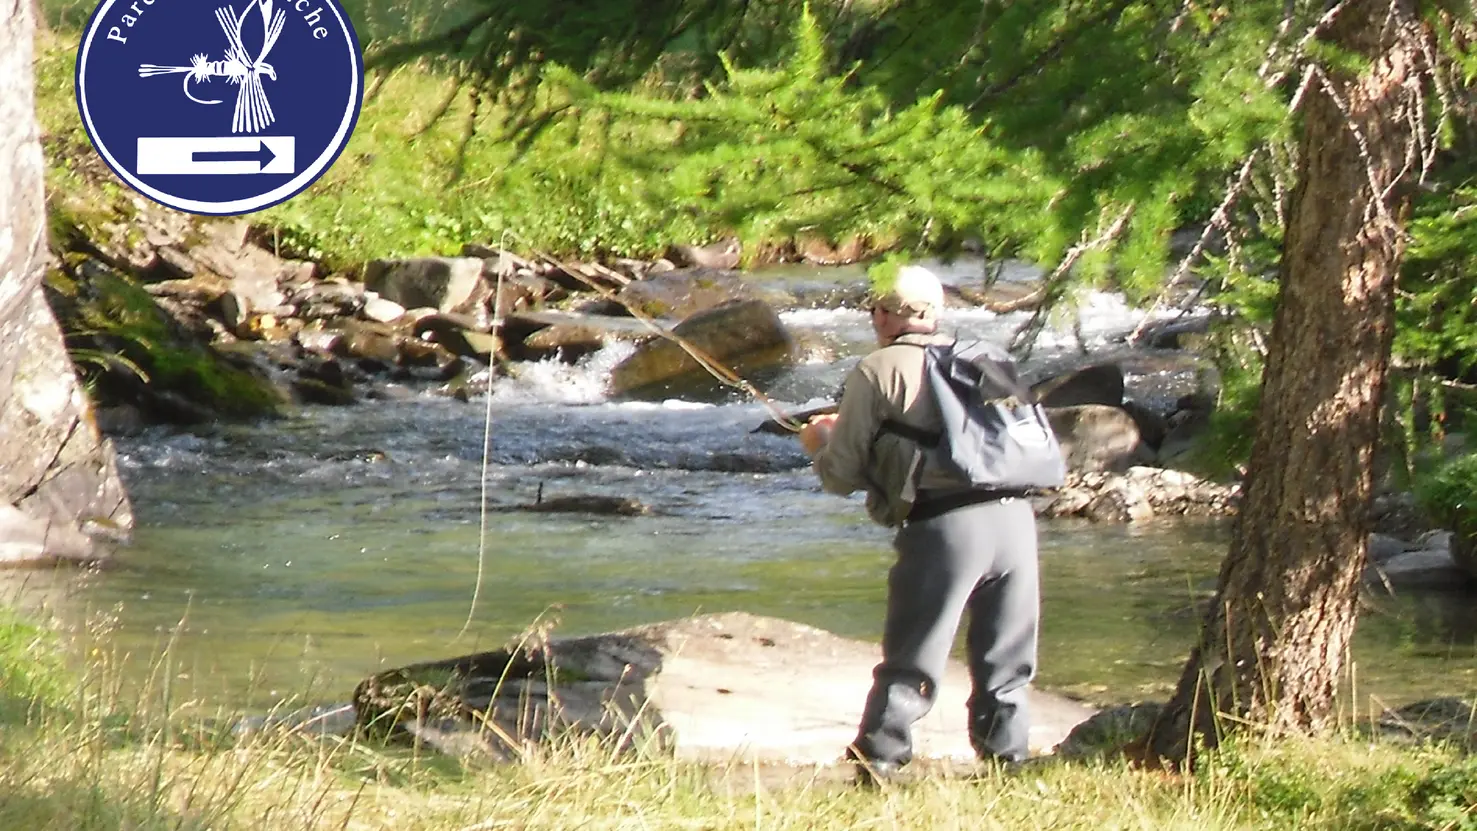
980	558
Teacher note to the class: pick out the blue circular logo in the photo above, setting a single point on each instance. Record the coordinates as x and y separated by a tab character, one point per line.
219	107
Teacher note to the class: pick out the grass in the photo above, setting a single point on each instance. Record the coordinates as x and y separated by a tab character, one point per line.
77	752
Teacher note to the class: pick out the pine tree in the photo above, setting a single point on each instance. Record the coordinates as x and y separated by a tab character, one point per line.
1273	644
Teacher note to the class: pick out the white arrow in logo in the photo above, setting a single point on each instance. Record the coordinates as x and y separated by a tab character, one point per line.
215	155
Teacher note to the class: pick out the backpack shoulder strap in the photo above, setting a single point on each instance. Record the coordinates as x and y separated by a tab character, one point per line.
926	438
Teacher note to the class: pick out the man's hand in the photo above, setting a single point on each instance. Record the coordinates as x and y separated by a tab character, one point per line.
816	432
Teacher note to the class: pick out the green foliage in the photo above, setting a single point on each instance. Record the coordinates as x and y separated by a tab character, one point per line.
1223	451
1437	319
1247	302
779	152
1445	797
396	191
1449	494
1424	789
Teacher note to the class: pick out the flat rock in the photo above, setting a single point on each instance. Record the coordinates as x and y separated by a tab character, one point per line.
716	687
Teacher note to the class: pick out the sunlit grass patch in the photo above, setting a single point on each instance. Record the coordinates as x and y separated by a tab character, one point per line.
90	755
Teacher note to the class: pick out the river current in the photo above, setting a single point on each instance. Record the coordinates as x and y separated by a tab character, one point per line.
290	559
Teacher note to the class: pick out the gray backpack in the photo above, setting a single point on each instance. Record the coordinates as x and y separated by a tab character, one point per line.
995	436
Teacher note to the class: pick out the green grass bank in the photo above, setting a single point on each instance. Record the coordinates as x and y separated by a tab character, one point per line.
78	754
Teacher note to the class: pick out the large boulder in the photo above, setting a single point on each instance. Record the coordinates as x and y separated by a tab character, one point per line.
684	292
716	687
1097	437
58	476
1097	384
444	283
1431	562
745	336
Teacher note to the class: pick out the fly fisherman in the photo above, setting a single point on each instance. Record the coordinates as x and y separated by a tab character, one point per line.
957	548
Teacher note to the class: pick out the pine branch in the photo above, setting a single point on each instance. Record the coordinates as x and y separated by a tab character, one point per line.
1047	55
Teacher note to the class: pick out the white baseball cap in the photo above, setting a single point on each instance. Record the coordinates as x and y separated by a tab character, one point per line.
913	291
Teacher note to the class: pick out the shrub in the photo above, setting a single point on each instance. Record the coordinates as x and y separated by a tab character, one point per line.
1449	495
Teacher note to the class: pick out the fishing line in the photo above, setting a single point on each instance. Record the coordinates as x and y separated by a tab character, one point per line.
709	364
503	267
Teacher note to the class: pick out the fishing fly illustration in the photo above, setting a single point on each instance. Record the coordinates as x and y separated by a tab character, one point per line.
253	111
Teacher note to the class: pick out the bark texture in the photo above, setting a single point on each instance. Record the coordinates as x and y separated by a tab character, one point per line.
1273	645
58	478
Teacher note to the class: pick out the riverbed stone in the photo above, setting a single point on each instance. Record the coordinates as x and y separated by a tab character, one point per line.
252	271
536	335
597	504
327	300
444	283
744	336
456	333
1166	493
1430	569
684	292
315	391
371	341
725	253
1125	501
720	687
1097	384
1383	547
1097	437
380	310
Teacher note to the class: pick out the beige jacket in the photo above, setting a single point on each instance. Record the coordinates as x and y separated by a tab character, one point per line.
887	384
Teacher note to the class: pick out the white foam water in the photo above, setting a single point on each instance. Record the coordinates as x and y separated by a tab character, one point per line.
552	381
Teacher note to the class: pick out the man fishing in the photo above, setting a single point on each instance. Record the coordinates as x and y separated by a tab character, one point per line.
957	547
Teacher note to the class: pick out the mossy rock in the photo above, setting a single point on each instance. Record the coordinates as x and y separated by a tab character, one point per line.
684	292
131	350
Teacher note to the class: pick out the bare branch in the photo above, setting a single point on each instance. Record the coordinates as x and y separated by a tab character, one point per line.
1025	336
1382	212
1300	48
1219	219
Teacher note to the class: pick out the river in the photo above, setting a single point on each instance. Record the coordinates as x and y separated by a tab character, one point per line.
289	559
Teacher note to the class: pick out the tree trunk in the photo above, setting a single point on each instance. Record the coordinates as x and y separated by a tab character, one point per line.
1273	645
57	475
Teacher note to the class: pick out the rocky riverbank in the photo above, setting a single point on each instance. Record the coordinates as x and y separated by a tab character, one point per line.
178	321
